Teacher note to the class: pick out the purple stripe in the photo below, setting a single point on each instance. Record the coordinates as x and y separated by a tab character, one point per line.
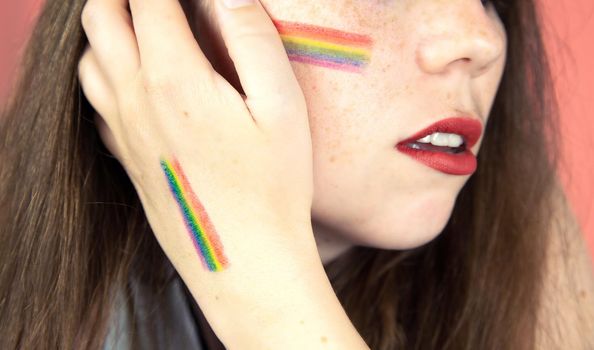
323	63
322	57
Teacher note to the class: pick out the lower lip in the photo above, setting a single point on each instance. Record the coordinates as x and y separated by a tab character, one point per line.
463	163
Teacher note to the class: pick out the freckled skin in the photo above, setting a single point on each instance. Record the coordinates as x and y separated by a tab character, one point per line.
430	59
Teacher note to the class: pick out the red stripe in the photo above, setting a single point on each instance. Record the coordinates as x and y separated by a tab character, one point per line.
322	33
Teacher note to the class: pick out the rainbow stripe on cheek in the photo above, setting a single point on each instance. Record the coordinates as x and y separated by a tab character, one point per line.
325	47
201	229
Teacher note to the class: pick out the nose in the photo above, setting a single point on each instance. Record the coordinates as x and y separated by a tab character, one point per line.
469	38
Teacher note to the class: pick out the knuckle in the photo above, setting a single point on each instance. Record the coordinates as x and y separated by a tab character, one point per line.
90	16
157	83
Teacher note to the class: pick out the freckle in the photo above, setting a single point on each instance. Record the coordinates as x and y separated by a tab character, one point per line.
346	155
216	297
301	322
332	159
324	339
185	113
583	294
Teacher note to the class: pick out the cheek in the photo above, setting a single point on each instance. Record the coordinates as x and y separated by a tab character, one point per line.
335	117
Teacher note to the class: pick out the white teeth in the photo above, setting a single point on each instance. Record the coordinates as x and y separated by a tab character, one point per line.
443	139
455	140
426	139
439	139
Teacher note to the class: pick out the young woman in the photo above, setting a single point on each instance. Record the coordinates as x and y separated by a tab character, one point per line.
307	173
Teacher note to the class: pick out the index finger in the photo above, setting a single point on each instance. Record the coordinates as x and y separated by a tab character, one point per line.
164	37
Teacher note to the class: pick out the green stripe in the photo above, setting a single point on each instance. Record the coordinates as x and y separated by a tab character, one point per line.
189	215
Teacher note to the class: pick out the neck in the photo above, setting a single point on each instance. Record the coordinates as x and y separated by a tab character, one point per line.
330	244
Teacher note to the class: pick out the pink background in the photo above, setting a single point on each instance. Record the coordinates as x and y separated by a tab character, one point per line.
569	29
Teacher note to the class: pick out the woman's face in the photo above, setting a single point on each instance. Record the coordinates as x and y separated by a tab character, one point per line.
429	59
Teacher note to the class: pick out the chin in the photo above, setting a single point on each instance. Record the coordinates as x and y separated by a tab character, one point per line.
419	223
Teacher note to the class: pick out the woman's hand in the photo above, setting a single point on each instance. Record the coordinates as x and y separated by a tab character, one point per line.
223	178
247	158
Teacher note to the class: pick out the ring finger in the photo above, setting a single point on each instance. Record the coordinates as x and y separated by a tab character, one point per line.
95	85
108	26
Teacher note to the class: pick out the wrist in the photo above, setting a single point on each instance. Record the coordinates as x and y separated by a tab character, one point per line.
303	313
274	294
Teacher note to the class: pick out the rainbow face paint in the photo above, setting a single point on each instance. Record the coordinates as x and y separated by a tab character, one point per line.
201	229
325	47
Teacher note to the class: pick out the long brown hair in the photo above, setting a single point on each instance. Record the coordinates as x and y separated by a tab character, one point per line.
72	226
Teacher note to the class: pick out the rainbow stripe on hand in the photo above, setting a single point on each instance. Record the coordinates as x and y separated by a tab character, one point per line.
202	232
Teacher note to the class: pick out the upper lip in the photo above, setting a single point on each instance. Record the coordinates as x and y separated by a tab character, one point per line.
467	126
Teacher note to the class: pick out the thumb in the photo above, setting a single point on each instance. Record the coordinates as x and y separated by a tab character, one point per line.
257	51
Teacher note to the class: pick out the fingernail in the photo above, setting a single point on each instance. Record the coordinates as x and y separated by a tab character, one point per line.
233	4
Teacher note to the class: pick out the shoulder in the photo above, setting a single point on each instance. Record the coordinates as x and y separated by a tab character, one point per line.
566	317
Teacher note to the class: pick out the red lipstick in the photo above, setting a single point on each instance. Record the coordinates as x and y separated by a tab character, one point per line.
453	161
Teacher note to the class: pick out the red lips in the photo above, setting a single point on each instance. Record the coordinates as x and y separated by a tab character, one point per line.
463	163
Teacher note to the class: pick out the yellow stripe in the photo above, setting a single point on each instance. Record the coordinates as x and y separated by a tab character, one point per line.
189	204
325	45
